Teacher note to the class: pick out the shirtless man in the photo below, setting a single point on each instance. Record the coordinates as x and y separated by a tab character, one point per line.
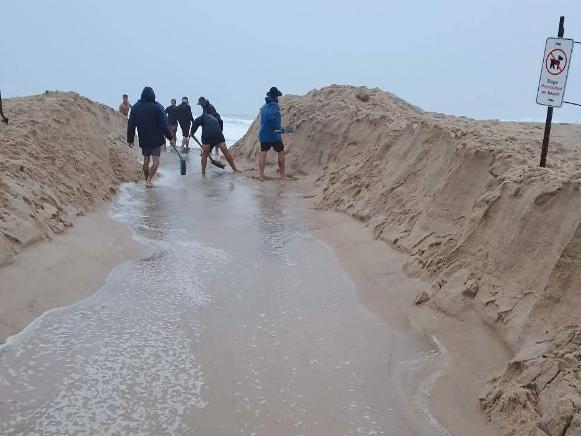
125	105
2	113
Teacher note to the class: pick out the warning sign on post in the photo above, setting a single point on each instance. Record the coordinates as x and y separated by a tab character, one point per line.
554	71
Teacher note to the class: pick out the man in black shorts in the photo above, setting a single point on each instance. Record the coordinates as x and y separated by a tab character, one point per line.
212	136
149	118
185	118
172	120
270	134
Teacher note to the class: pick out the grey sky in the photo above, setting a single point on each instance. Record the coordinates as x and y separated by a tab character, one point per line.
480	59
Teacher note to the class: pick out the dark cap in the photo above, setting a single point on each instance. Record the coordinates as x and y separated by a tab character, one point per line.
202	100
274	92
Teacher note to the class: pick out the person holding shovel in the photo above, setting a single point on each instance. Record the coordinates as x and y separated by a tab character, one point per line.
148	116
212	136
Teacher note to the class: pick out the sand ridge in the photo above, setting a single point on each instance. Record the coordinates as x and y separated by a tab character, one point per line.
62	155
465	199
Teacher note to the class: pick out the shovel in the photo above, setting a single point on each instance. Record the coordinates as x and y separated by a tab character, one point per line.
213	161
182	161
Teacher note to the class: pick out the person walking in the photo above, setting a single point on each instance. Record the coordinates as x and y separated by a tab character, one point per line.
212	136
270	134
125	105
172	120
149	118
185	118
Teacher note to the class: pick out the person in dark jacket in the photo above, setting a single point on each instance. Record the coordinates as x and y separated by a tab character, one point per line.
270	134
172	120
185	118
212	136
149	118
208	108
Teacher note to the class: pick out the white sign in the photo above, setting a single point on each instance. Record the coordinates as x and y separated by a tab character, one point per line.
554	71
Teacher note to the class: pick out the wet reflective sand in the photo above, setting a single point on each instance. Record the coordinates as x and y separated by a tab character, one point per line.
240	322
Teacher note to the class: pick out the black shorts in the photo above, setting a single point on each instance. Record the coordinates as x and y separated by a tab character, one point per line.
214	141
278	146
185	129
151	151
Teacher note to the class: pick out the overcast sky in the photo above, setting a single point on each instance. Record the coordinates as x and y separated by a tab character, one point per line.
480	59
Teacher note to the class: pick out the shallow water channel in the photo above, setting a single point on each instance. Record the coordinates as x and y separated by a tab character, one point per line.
239	322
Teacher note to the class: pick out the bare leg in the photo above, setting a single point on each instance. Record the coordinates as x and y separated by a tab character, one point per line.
205	153
262	163
228	156
281	164
153	170
146	168
1	112
173	139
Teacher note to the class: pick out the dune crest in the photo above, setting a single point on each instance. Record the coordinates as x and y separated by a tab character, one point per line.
467	201
62	154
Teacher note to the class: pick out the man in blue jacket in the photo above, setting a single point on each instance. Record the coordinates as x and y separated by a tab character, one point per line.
148	116
271	131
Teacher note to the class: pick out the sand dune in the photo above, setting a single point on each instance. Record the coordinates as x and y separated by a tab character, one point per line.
62	154
466	200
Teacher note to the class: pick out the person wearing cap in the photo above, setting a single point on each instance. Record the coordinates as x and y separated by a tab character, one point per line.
148	116
212	136
270	133
209	109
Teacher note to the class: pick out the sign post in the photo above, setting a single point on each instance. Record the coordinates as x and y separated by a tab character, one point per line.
549	120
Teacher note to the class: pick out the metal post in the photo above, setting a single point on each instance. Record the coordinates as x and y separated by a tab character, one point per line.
549	119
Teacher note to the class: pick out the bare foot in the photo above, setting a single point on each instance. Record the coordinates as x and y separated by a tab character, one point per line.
149	184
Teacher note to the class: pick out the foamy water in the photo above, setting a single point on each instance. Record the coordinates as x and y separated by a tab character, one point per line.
234	129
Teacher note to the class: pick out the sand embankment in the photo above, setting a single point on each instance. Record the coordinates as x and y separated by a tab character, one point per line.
498	236
62	155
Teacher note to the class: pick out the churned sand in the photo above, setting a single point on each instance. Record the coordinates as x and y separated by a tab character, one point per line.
63	156
498	237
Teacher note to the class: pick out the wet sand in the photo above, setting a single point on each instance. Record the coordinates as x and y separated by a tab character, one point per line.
241	321
64	270
470	351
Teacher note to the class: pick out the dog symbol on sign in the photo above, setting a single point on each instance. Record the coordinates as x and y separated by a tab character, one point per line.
556	62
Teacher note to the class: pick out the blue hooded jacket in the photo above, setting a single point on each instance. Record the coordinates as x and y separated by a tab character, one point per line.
148	116
270	121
